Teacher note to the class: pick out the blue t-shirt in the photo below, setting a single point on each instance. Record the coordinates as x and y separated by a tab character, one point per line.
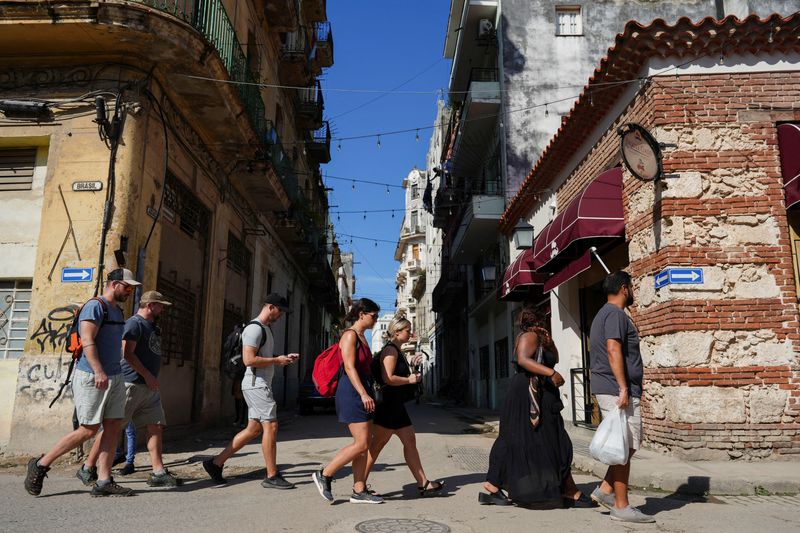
148	348
108	341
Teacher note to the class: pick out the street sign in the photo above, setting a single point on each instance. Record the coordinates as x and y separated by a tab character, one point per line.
79	186
76	275
679	276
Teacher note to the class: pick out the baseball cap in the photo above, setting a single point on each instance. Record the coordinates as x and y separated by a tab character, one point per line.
124	275
277	300
154	297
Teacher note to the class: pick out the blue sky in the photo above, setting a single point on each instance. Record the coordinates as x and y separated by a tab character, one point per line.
379	45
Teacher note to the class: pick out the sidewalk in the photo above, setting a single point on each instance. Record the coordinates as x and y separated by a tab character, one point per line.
655	470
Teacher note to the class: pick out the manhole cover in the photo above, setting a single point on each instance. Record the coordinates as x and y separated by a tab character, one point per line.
395	525
470	459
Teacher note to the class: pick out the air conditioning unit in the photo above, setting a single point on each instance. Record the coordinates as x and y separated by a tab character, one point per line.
485	28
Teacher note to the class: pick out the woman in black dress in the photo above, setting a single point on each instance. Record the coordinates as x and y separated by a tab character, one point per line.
391	417
531	458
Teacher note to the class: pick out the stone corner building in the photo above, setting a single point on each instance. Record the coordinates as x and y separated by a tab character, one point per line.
231	172
722	377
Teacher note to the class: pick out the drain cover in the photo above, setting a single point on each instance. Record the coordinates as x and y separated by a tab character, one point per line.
398	525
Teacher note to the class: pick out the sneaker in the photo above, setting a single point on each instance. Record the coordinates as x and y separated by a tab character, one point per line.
167	479
127	470
35	476
364	497
631	514
87	477
110	489
604	499
276	482
323	484
214	472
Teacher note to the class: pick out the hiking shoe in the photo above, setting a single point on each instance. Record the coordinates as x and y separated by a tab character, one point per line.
631	514
87	476
214	472
323	484
364	497
276	482
604	499
127	470
167	479
110	489
35	476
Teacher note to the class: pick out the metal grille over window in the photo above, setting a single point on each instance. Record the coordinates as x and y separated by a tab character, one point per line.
15	304
16	169
180	337
238	256
192	216
568	19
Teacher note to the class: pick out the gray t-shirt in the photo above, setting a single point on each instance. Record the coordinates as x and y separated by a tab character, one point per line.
611	322
108	340
258	378
148	348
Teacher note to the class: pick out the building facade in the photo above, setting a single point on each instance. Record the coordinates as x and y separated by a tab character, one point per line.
119	142
720	345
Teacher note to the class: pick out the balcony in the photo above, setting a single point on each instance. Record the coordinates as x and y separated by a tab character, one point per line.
450	288
281	15
481	216
319	149
308	107
323	55
295	68
476	39
479	116
413	265
315	10
411	231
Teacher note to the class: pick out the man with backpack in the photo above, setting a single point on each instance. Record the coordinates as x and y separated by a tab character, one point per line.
141	350
97	386
256	349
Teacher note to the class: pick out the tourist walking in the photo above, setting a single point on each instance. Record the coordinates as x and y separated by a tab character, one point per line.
617	373
257	355
531	458
355	404
398	386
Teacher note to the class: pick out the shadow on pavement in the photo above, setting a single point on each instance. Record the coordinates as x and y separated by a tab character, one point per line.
693	491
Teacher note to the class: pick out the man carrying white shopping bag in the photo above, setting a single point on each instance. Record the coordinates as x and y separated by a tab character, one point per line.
617	373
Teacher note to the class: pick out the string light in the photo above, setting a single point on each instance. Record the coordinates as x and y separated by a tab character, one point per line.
387	190
546	112
354	184
339	146
365	215
379	142
770	36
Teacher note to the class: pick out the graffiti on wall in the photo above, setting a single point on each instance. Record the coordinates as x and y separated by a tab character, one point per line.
40	380
54	328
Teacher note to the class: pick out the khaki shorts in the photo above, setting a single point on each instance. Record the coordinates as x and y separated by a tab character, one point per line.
608	403
261	405
143	406
92	404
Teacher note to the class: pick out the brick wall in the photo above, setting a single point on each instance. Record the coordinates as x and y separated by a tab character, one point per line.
722	366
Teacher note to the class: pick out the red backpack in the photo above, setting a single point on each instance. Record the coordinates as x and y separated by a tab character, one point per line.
328	369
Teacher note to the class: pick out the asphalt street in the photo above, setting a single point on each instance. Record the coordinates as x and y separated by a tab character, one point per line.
451	448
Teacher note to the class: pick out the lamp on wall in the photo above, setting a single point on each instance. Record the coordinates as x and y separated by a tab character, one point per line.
489	272
523	235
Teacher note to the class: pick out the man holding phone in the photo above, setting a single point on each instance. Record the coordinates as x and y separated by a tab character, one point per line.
257	348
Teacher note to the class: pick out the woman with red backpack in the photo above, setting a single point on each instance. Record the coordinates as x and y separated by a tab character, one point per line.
355	404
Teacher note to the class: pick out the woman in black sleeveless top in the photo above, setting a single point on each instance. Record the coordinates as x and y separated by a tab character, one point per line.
532	456
391	417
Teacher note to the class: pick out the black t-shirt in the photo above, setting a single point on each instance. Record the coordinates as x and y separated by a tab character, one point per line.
148	347
611	322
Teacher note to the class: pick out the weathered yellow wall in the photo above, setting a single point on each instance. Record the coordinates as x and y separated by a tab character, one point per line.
8	387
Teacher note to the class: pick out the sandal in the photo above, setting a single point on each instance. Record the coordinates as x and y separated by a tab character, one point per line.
430	487
493	498
582	502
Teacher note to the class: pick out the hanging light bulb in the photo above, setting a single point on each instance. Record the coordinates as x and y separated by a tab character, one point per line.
365	215
354	184
546	112
338	217
770	40
392	213
721	58
379	141
339	146
387	190
418	130
376	244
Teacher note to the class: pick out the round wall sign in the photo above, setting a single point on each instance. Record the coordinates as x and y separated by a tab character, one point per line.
640	152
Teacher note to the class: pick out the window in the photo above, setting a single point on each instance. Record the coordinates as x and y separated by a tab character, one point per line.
501	358
414	191
238	256
16	168
568	20
15	304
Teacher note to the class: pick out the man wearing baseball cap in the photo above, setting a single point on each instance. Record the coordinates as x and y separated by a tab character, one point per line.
141	350
257	348
98	388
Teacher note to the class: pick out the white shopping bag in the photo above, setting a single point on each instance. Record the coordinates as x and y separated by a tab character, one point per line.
610	444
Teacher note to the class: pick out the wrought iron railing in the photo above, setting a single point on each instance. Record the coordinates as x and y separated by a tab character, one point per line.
323	32
295	45
280	161
322	136
483	74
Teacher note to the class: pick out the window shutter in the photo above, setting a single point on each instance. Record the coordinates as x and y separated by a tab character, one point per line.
16	169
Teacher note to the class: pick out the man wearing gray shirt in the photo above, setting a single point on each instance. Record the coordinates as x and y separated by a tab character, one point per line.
617	373
257	355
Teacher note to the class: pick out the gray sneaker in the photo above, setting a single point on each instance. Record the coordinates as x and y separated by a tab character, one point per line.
606	500
365	497
276	482
323	484
167	479
110	489
631	514
87	477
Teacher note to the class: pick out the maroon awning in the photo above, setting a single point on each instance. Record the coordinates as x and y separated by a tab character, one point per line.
520	277
594	215
574	268
789	147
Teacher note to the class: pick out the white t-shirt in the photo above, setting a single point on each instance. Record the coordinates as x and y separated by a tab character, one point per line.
258	378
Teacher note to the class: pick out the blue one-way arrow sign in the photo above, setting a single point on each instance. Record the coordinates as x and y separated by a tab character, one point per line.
679	276
74	275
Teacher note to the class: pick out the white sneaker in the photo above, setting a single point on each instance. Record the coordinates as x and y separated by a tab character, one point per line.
631	514
604	499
